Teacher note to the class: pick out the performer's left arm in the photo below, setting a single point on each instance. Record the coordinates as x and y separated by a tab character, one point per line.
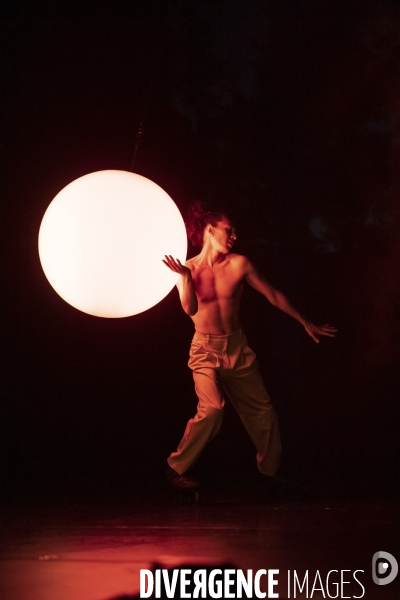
278	299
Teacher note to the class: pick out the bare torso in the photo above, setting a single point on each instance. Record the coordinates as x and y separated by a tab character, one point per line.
218	289
211	286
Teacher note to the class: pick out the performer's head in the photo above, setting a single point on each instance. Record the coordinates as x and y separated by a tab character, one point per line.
210	226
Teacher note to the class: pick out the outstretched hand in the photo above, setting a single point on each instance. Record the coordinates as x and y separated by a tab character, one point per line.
176	266
315	330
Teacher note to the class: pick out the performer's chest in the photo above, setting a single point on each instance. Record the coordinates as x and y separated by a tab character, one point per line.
217	284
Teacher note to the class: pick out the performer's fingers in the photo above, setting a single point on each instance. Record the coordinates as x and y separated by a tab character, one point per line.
310	333
330	332
327	328
170	265
174	261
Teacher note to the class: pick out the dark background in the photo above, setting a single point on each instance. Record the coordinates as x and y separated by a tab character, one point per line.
286	112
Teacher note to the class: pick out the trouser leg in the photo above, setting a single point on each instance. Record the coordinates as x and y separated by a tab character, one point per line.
204	425
248	394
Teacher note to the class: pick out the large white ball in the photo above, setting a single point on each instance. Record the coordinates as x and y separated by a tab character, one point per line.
102	240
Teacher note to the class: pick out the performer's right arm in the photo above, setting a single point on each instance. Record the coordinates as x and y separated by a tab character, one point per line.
185	285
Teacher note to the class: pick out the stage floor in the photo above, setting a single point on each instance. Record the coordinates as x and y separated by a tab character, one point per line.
74	549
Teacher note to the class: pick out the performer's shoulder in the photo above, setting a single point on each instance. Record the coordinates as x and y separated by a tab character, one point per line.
240	263
238	259
236	256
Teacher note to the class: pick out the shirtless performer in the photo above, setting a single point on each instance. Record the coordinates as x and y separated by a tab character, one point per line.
223	365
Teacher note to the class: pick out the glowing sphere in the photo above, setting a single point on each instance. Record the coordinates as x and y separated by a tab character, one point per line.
102	240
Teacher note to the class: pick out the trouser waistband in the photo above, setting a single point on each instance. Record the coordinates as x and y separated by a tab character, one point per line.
219	338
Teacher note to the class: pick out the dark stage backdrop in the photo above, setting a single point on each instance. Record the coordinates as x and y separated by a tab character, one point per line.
288	114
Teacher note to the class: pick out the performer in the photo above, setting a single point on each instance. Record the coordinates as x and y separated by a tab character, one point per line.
210	288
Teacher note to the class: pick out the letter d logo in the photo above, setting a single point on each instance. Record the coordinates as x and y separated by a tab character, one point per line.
383	567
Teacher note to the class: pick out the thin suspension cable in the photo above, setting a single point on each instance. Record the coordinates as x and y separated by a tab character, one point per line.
140	131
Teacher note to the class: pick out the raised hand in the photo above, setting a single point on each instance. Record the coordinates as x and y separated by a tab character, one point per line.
175	265
185	284
315	330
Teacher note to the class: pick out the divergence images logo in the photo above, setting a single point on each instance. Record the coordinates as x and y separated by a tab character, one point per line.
387	566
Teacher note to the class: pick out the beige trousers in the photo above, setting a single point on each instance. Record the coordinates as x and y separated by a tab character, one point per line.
225	365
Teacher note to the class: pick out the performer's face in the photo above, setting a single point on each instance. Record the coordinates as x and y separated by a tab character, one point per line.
224	236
